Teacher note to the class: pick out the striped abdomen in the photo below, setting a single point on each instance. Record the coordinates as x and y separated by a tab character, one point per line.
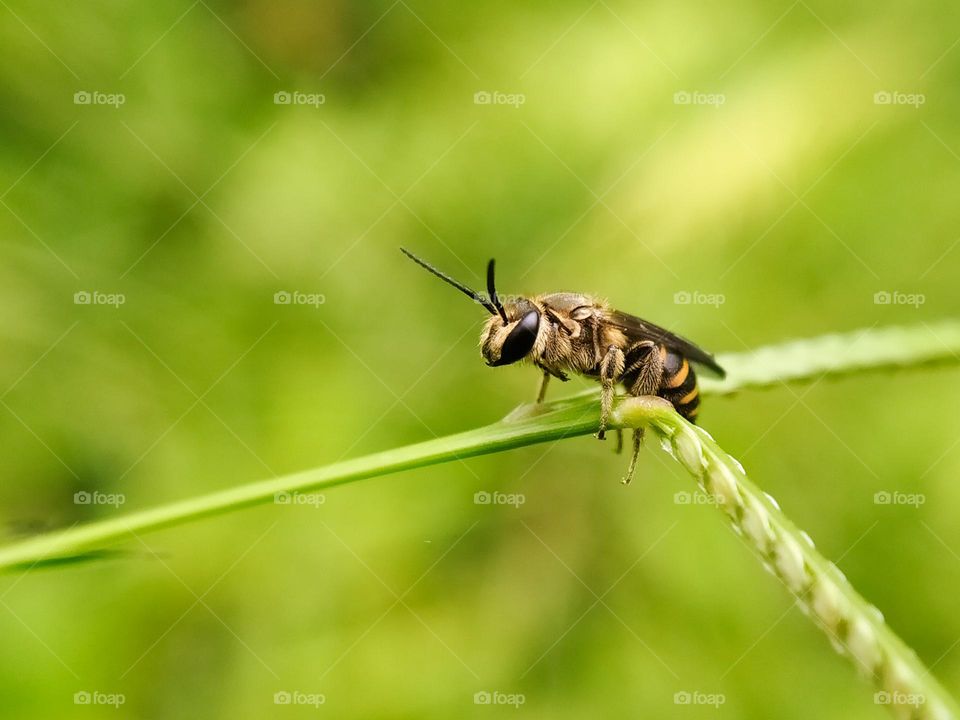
679	384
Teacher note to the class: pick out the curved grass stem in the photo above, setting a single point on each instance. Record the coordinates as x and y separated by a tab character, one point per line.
578	415
855	627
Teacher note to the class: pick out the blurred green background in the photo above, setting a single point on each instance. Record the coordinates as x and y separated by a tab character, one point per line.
646	152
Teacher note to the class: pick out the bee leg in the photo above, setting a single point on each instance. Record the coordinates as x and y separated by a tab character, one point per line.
543	387
648	381
619	440
649	370
637	444
611	367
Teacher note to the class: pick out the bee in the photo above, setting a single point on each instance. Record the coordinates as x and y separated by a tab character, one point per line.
567	332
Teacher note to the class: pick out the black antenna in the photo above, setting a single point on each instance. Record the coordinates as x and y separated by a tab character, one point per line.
492	291
472	294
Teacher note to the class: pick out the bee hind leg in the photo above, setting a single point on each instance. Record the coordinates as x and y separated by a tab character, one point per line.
649	375
637	444
619	448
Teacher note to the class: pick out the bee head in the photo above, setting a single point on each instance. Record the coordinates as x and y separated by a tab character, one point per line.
511	332
509	338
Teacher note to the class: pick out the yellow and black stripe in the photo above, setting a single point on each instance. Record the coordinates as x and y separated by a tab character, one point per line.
679	385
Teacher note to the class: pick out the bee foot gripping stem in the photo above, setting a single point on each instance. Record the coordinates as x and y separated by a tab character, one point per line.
637	444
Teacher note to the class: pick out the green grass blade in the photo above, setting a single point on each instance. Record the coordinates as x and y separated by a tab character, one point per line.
854	627
839	354
578	415
561	419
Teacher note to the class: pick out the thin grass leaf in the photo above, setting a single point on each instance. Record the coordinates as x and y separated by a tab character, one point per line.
870	349
855	627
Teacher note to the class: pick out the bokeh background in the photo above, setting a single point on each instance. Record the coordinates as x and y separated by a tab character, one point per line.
777	164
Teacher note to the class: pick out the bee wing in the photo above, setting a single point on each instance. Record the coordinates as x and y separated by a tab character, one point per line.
644	330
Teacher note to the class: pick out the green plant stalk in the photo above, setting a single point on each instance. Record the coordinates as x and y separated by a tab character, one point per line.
767	367
561	419
854	627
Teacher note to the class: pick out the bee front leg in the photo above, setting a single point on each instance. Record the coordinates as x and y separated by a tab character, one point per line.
611	368
543	387
547	374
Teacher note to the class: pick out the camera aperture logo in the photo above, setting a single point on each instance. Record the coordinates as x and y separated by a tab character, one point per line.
298	697
896	97
896	297
686	697
299	498
695	297
296	97
683	497
495	697
886	497
295	297
695	97
499	498
95	297
95	97
84	497
483	298
899	698
96	697
485	97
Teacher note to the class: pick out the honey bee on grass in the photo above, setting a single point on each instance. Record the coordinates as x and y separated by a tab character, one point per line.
567	332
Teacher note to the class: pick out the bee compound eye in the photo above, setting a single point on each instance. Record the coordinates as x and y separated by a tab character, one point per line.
520	340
